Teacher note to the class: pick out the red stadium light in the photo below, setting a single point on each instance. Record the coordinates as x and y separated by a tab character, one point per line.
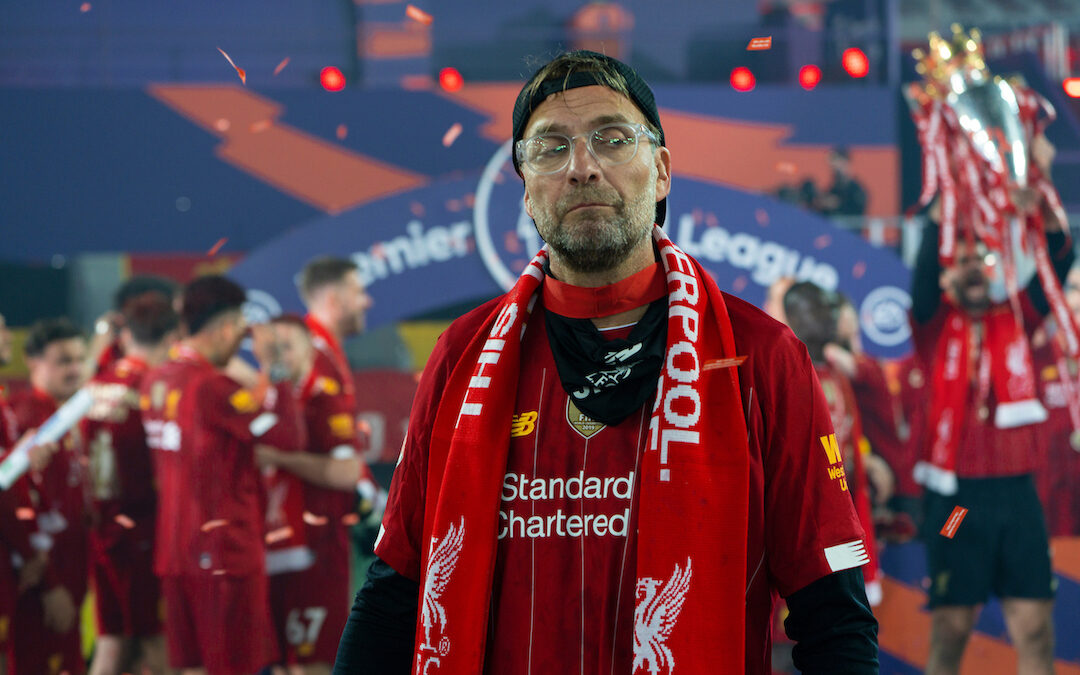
332	79
742	79
450	79
855	62
1072	86
809	76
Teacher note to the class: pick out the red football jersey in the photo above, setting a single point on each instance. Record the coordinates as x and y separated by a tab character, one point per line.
121	475
16	515
202	428
564	585
983	449
1058	481
58	495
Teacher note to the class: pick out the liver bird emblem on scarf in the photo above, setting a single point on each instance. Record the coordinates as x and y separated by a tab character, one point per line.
654	619
442	560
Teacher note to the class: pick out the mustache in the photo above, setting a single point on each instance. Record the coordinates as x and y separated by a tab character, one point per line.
589	194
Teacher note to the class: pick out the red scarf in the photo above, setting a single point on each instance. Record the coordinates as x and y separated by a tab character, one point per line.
1003	364
691	564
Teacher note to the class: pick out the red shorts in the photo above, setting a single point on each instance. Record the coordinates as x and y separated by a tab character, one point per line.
37	649
311	607
220	623
127	592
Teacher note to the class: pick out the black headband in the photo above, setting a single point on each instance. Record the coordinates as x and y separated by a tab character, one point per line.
638	89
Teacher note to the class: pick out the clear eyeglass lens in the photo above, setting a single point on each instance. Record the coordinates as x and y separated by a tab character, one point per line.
611	144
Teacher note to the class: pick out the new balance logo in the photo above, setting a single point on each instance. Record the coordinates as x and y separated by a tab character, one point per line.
523	424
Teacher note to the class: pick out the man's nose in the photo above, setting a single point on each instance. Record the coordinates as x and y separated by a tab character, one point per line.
583	166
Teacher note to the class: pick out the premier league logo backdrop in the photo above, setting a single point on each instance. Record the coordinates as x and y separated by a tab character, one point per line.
467	239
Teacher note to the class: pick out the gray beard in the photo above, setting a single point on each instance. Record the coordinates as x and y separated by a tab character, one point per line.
599	244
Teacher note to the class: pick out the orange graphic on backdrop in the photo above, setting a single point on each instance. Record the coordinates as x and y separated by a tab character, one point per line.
326	176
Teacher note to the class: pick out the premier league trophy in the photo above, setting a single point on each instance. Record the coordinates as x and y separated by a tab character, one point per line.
977	132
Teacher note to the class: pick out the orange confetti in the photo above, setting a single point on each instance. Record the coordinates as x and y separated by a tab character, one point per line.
955	518
216	247
418	15
314	520
739	284
85	7
350	519
124	522
25	513
451	134
342	132
453	205
281	66
280	534
222	124
858	270
239	71
417	209
363	427
787	168
762	217
759	44
716	364
213	525
822	241
260	126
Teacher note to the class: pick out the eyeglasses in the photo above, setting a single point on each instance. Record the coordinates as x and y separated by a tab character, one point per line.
611	145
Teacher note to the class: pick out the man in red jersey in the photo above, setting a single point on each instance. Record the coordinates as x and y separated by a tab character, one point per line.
615	467
337	304
126	592
202	428
979	448
105	346
46	632
16	516
311	604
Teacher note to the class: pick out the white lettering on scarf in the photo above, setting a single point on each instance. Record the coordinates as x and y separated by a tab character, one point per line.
488	357
681	402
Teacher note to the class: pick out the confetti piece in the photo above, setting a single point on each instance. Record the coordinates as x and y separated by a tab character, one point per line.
451	134
125	522
363	427
216	247
222	124
955	518
470	200
280	534
762	217
25	513
417	209
739	284
787	168
858	270
711	220
698	215
260	126
342	132
350	519
453	205
212	525
239	71
450	79
418	15
85	7
716	364
314	520
759	44
218	573
281	66
822	241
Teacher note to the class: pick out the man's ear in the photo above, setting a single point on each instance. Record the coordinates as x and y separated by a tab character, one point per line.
528	202
663	172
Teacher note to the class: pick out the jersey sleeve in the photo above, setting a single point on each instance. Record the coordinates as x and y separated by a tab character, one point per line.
811	528
239	412
402	528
